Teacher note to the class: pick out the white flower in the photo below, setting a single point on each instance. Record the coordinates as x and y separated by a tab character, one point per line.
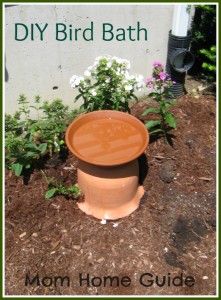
132	77
118	71
75	80
139	78
87	73
114	58
139	82
98	58
109	64
139	85
128	87
95	65
78	80
72	80
93	92
119	60
127	76
107	80
108	57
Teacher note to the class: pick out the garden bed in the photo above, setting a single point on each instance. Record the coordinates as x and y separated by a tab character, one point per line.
173	231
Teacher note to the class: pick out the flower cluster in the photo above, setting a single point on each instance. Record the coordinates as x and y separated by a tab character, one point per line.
160	84
107	84
160	79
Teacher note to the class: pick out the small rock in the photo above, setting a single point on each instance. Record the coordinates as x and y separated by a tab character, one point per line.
190	140
22	235
167	171
100	260
76	247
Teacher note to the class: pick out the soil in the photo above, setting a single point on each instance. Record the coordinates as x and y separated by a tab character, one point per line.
172	233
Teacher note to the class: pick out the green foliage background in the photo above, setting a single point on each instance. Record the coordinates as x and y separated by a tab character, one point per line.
203	44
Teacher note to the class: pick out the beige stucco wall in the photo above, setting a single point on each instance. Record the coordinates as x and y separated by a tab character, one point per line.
36	67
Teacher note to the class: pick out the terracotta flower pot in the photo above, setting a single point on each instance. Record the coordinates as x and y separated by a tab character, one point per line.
110	192
107	144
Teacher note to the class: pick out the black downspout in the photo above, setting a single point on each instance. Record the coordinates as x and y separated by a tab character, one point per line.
179	60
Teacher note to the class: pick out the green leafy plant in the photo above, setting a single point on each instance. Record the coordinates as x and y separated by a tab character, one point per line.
56	187
26	140
160	83
21	149
50	128
210	66
203	29
107	85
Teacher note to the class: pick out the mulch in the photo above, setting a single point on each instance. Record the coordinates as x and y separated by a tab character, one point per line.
172	233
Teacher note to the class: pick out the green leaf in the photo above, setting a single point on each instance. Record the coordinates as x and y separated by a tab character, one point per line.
152	123
169	95
50	193
31	154
151	110
154	95
77	97
169	104
31	145
17	168
170	120
155	131
43	147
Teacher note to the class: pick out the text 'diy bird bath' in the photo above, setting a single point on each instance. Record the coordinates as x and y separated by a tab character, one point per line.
107	144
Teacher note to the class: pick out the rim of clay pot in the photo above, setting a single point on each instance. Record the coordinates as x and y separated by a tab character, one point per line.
134	125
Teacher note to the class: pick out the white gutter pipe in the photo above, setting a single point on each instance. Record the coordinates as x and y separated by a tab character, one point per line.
181	14
180	24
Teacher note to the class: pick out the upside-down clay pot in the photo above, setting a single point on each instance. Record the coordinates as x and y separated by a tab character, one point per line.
110	192
107	145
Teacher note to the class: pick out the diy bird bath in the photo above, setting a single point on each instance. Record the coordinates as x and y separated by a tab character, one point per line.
107	144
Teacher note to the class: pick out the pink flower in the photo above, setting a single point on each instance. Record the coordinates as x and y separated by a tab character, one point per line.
157	64
150	85
162	75
148	80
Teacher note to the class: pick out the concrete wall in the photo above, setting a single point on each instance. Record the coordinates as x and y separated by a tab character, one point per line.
35	67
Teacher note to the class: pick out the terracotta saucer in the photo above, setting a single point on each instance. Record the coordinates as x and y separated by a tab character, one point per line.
107	138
